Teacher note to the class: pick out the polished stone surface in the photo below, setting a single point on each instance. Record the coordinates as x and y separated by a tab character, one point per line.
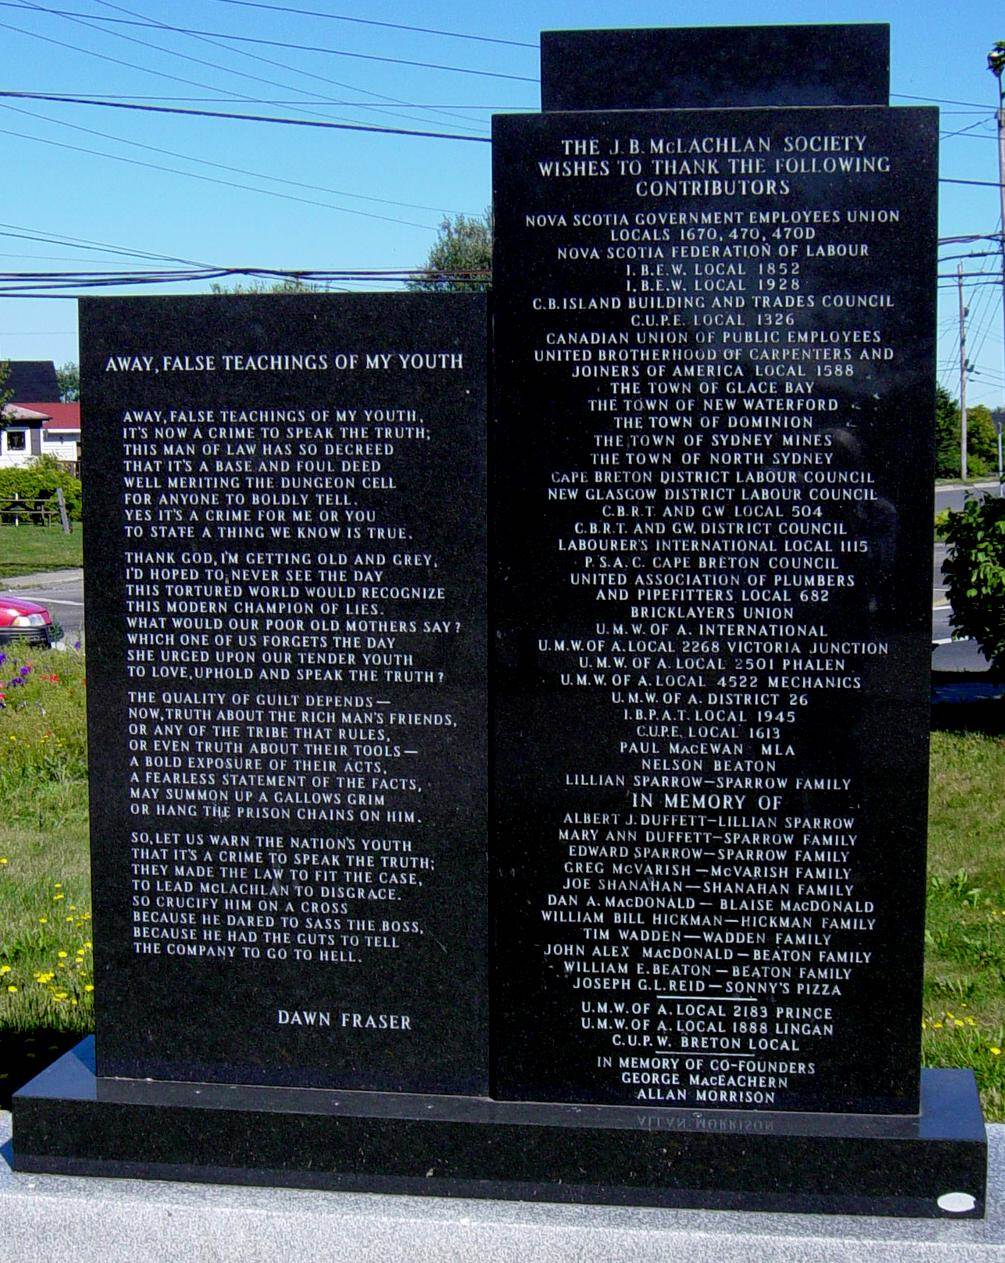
708	67
99	1220
711	605
68	1122
285	584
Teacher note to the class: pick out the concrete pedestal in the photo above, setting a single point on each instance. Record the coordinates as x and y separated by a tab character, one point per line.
92	1220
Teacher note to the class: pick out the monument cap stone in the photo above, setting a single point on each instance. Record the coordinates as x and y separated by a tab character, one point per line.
737	67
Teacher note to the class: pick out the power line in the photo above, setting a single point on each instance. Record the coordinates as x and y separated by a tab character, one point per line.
61	99
270	61
118	61
209	179
938	100
115	61
965	131
396	26
986	184
360	105
222	166
21	233
55	285
974	254
274	43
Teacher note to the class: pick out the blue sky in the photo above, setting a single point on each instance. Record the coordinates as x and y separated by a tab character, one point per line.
335	199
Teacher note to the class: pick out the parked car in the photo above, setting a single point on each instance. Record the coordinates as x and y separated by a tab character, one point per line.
28	621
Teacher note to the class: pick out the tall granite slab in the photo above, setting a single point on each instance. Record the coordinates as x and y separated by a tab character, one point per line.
285	558
714	335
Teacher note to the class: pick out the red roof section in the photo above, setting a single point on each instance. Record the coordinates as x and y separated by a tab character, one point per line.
61	416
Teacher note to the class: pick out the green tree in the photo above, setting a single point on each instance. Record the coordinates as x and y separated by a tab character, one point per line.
6	394
974	570
982	442
68	380
461	256
947	435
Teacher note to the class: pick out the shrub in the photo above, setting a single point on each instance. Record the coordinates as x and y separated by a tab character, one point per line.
974	570
41	477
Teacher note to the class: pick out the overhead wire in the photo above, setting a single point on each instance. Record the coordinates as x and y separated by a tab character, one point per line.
222	166
209	179
65	99
396	26
21	233
88	22
75	15
271	61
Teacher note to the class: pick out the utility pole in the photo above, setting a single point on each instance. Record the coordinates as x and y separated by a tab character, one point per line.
996	64
963	374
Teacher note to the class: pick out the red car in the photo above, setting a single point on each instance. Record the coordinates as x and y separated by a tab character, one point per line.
28	621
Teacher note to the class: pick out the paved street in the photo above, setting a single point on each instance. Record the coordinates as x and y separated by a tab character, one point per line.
952	497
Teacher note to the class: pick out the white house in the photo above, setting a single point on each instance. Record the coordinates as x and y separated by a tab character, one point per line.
21	439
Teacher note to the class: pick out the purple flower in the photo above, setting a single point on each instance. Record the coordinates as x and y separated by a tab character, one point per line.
25	671
76	645
3	657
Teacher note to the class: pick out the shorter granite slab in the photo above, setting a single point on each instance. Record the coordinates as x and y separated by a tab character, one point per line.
715	66
67	1121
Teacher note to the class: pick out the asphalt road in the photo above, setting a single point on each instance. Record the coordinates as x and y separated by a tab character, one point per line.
952	497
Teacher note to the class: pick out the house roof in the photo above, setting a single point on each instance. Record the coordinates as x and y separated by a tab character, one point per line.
24	416
61	416
32	379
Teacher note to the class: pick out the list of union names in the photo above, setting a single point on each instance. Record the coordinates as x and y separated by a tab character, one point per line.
710	318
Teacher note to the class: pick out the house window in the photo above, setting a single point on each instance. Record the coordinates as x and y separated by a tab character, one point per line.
17	441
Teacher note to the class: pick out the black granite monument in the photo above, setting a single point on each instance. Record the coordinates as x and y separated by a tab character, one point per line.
702	723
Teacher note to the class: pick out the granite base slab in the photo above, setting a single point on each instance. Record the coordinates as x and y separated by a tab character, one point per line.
69	1220
67	1121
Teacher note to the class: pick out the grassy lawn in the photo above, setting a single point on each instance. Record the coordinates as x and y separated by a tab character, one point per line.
26	549
964	1021
45	943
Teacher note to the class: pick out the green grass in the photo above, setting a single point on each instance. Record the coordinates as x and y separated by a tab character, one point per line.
45	895
964	1021
45	941
27	549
